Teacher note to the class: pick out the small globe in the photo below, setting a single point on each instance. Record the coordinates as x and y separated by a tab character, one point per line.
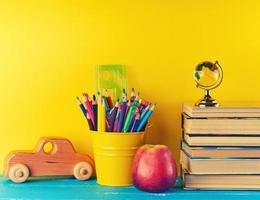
208	75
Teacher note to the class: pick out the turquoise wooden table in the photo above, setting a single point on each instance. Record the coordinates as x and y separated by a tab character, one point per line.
70	188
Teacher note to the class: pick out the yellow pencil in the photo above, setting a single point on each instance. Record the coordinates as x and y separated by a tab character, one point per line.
103	114
99	115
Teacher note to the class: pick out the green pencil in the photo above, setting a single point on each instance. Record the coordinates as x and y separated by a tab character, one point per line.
130	114
106	103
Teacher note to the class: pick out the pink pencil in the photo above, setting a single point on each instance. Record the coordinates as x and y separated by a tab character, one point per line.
89	107
107	125
90	101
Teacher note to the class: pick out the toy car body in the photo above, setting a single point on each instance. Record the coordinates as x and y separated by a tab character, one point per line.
61	160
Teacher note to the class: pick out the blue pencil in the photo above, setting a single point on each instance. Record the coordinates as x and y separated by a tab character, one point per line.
82	107
136	123
142	130
111	127
145	118
131	124
144	111
84	111
122	116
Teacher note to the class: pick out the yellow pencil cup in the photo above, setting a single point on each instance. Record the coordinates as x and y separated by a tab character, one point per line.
113	155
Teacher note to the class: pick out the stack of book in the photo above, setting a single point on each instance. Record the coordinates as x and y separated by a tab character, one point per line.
221	147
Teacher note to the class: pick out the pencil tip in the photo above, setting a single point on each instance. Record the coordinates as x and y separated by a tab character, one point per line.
78	100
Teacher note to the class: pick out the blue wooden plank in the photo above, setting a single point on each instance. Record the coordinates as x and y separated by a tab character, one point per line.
69	188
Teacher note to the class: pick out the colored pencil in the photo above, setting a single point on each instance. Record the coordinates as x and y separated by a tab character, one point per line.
127	116
106	103
89	107
124	94
110	111
131	123
145	118
107	125
111	125
99	113
110	115
91	127
132	98
127	107
83	109
117	120
144	112
136	123
109	100
143	105
103	116
122	116
143	129
90	102
130	114
94	107
133	119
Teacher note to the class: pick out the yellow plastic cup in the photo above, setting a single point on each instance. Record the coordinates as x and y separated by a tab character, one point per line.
113	155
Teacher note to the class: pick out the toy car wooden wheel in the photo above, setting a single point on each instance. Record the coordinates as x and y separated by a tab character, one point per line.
19	173
83	171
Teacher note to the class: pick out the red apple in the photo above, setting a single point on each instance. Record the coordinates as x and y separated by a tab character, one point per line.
154	168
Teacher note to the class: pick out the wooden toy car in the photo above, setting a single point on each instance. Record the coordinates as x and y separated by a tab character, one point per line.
60	160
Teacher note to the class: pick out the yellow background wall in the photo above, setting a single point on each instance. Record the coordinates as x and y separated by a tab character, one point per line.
48	49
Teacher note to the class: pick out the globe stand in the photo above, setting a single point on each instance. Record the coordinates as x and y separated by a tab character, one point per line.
207	101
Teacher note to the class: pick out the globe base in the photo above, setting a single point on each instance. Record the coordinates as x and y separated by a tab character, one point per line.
207	101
